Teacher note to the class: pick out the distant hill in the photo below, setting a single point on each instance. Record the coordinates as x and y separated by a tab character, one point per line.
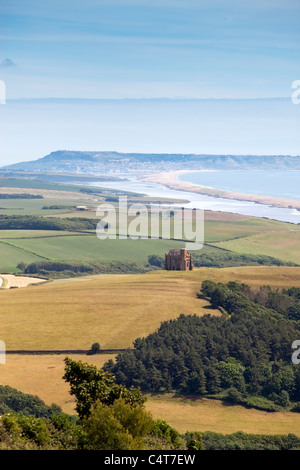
114	162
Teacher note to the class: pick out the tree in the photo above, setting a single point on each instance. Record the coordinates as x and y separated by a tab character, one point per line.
95	348
156	260
194	441
163	430
116	427
89	384
283	399
22	266
232	374
234	395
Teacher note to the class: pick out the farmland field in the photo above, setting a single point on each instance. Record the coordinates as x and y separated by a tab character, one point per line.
222	230
42	376
279	244
10	256
78	248
236	233
12	234
213	415
111	309
114	310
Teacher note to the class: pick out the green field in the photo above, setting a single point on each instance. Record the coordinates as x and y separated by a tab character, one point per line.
35	206
37	184
223	230
15	234
79	248
11	256
281	244
226	231
29	246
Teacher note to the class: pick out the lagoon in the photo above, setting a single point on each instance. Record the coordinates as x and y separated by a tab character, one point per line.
203	202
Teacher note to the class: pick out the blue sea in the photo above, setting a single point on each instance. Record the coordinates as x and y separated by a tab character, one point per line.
281	184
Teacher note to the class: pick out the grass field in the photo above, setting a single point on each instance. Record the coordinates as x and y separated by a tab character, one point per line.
91	248
15	234
36	184
29	246
114	310
42	376
241	234
33	206
110	309
77	247
10	256
222	230
213	415
251	235
280	244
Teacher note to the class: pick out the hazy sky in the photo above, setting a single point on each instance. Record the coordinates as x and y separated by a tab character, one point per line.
116	49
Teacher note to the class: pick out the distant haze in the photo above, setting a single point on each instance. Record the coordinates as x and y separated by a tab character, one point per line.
30	129
159	76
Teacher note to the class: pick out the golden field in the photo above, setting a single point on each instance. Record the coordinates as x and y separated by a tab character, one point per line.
41	375
114	310
217	416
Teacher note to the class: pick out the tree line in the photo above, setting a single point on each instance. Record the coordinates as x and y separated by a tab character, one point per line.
20	196
222	259
28	222
60	269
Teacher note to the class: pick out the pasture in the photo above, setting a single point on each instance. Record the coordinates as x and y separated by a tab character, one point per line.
78	247
114	310
41	375
281	244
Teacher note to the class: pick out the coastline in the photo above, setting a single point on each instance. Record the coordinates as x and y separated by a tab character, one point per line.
169	179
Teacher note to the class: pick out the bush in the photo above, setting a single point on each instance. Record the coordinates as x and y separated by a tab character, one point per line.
95	348
156	260
163	430
19	432
243	441
12	400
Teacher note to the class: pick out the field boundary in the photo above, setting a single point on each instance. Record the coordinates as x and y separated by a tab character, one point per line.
23	249
63	351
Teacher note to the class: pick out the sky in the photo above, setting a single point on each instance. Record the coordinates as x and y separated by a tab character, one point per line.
158	58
